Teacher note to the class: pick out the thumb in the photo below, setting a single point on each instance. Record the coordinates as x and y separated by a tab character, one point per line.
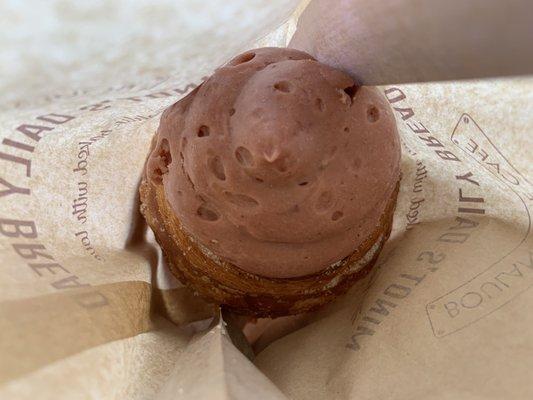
396	41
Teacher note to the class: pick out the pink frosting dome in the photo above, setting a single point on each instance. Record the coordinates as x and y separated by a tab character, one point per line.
277	163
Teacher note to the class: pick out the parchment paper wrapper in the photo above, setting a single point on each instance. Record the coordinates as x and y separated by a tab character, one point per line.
88	310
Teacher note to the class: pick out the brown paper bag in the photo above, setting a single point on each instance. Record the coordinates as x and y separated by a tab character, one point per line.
88	309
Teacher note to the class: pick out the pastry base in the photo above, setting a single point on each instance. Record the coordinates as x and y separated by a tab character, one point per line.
221	282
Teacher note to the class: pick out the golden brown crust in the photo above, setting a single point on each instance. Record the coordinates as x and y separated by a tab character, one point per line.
245	293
